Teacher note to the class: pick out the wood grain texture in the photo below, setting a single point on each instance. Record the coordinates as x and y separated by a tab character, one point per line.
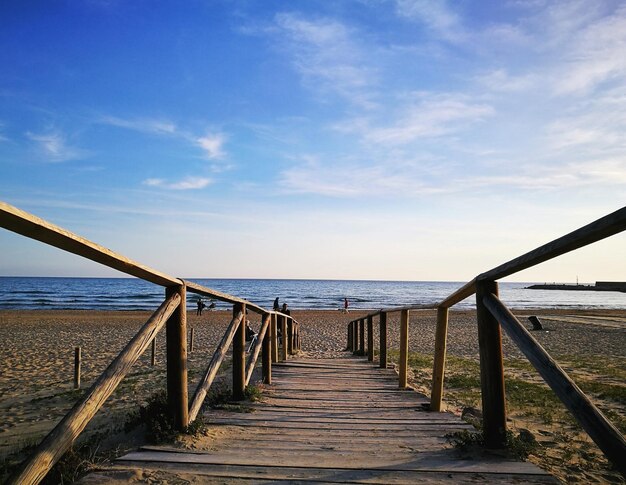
439	363
599	428
59	440
342	436
256	349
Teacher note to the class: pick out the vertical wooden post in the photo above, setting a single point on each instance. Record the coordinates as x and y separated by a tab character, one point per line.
77	360
439	365
290	335
355	337
274	336
404	348
176	335
191	340
382	360
239	355
362	336
349	346
283	330
491	369
267	351
370	339
153	348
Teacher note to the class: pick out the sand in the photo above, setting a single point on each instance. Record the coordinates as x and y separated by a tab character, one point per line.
37	353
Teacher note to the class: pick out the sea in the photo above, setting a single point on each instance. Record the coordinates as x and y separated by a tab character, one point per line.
49	293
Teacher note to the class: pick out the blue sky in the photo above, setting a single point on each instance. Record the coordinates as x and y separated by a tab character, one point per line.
359	139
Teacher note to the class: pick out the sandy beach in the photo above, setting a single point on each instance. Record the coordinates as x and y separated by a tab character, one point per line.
37	352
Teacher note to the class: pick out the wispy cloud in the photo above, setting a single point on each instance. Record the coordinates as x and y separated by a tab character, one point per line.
436	15
326	54
54	147
144	125
423	115
188	183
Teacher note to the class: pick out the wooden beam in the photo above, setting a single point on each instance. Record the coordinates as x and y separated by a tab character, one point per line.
491	369
404	349
289	335
225	297
274	337
31	226
267	350
349	344
439	365
239	355
599	428
60	439
176	345
602	228
256	349
214	365
362	336
282	319
467	290
382	358
370	339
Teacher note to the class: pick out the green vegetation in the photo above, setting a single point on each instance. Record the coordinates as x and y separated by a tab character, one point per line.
519	446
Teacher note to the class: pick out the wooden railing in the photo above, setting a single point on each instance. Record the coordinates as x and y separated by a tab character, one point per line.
171	314
492	315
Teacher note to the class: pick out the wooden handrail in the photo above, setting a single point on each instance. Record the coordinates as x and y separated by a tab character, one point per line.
602	228
63	435
214	365
31	226
599	428
225	297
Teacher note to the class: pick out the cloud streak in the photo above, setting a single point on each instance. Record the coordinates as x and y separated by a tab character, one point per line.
188	183
54	147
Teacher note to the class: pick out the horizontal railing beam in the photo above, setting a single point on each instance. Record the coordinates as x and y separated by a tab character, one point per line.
602	228
225	297
599	428
31	226
467	290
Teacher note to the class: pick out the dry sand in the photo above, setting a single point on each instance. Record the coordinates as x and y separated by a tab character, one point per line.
36	355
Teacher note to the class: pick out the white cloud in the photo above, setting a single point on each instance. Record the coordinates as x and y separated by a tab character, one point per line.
212	144
188	183
327	56
55	148
435	14
144	125
423	115
501	80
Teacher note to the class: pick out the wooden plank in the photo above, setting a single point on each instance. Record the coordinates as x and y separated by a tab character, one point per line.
63	435
254	354
599	428
267	350
467	290
239	354
403	362
214	365
31	226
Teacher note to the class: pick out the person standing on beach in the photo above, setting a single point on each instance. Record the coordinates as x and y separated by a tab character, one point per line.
284	310
276	305
346	304
201	306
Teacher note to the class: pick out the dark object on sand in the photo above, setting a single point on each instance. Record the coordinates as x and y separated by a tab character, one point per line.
536	322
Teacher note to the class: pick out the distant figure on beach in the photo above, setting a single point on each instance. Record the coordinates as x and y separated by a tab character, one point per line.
201	306
276	305
346	304
284	310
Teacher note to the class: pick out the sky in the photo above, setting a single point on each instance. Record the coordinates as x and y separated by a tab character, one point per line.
357	139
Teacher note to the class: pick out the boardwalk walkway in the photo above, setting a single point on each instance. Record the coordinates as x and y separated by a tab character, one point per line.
327	421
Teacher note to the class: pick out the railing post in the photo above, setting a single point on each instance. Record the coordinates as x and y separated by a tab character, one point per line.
349	344
491	369
77	361
290	335
439	365
267	351
382	335
283	330
355	337
370	339
176	336
362	336
404	348
274	337
153	356
239	355
191	340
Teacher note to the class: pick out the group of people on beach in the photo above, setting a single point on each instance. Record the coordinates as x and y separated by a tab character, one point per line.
283	309
277	308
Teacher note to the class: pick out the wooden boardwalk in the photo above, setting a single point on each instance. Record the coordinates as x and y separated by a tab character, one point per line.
326	421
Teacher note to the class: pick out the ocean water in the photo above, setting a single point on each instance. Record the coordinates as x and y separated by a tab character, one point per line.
135	294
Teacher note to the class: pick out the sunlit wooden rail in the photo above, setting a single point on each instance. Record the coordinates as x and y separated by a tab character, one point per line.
171	314
492	315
